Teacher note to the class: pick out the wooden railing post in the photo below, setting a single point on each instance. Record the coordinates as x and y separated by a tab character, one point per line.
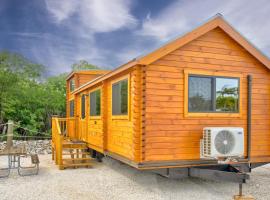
67	127
10	134
59	129
53	142
60	151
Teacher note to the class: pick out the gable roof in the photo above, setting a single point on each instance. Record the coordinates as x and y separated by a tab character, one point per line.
217	21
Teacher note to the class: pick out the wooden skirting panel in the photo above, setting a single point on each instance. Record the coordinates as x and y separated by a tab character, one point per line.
179	163
99	149
260	159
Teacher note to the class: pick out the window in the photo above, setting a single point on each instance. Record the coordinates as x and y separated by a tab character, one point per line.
120	98
95	103
213	94
83	106
72	85
71	108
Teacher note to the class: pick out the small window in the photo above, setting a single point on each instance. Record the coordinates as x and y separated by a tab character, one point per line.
71	85
95	103
213	94
120	98
71	108
83	106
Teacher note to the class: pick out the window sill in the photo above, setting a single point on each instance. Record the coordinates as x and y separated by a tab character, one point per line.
236	115
120	117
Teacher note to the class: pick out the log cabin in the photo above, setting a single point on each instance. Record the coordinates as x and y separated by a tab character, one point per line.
154	111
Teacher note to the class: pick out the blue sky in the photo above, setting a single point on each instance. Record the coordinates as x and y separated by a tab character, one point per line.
108	33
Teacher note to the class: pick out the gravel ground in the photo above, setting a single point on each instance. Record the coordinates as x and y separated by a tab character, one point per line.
114	180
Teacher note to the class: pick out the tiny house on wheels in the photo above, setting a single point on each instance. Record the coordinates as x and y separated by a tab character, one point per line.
198	103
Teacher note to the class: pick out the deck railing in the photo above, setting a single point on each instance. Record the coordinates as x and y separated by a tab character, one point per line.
63	125
61	128
57	141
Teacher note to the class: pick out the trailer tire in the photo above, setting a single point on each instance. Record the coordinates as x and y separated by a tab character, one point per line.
99	156
93	153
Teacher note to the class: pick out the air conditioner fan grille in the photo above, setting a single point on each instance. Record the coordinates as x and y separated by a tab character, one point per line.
224	142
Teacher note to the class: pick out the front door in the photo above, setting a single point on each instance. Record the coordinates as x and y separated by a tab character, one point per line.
82	119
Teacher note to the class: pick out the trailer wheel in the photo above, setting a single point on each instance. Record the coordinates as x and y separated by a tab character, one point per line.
99	156
93	153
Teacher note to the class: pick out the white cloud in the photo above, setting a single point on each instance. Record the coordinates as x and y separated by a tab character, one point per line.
61	10
84	19
105	16
250	18
127	55
93	15
175	19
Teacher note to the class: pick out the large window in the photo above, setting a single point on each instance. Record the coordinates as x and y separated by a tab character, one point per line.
95	103
83	106
71	85
213	94
71	108
120	98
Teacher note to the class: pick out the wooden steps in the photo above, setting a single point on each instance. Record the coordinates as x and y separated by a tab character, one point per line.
71	148
68	153
75	159
75	155
77	165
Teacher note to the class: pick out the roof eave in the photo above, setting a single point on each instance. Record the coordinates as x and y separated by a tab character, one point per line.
106	76
101	71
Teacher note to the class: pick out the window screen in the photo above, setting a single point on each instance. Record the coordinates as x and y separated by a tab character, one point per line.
200	94
213	94
71	108
83	106
120	98
95	103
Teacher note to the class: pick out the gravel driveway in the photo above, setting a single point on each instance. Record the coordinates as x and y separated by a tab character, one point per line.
114	180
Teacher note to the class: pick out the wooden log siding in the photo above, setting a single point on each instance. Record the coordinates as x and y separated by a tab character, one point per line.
104	113
143	112
94	124
136	106
169	135
84	78
95	134
120	137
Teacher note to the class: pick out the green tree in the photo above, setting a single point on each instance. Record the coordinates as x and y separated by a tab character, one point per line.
83	65
54	98
25	98
14	71
227	99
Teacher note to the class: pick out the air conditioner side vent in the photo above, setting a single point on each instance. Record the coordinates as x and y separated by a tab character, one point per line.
207	142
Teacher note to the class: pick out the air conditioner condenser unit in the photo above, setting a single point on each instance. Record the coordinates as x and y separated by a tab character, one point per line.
222	142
